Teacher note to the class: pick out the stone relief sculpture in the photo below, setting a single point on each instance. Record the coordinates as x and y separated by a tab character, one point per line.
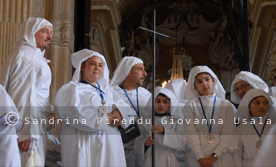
222	34
138	43
221	50
129	43
272	69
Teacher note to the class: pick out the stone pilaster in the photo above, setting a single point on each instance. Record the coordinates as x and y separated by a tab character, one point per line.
105	18
261	40
12	14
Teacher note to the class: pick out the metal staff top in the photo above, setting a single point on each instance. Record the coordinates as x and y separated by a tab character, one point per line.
153	75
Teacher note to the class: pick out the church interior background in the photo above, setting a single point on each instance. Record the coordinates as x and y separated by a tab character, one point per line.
201	33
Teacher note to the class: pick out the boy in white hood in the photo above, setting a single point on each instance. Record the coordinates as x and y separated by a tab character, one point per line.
169	137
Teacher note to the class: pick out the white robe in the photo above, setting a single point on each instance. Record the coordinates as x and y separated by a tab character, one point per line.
195	133
272	91
93	142
9	152
165	144
143	96
266	155
27	77
247	138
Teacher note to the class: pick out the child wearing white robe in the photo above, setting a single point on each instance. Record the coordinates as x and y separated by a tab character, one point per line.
254	112
178	87
169	137
266	155
208	145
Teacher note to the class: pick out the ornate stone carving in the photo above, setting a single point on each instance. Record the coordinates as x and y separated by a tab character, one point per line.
61	33
273	27
64	34
272	69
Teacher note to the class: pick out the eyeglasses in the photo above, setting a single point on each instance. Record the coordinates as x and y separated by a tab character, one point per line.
236	89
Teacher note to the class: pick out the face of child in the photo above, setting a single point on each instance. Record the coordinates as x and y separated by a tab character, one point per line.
204	84
162	105
259	106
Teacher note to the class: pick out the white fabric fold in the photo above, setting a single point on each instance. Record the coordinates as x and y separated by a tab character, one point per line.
123	69
178	87
243	109
191	93
79	57
26	34
254	80
175	110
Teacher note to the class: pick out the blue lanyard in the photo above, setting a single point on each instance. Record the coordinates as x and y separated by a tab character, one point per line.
55	140
260	135
53	137
98	89
137	110
210	128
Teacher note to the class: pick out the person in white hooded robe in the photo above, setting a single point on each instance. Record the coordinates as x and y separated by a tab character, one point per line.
10	124
26	77
178	87
266	155
95	140
169	135
208	144
256	118
243	82
127	82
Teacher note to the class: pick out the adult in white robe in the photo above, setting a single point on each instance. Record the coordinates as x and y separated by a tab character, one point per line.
10	124
247	135
178	87
266	155
91	141
196	131
254	81
26	77
166	143
129	90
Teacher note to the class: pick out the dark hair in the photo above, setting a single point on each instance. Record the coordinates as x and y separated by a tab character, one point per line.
163	95
204	73
252	100
84	62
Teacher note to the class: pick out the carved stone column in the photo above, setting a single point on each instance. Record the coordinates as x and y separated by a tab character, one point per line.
272	67
12	14
272	60
104	31
61	14
261	41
